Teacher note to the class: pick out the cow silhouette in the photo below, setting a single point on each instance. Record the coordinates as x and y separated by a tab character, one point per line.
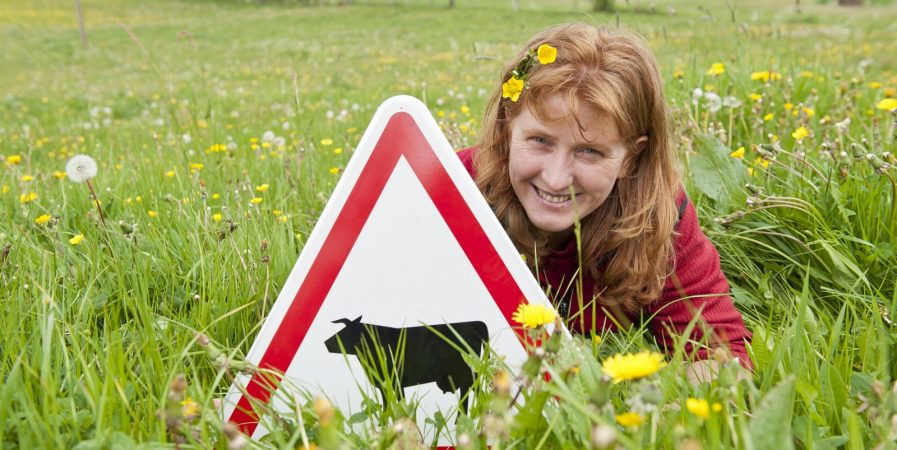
422	355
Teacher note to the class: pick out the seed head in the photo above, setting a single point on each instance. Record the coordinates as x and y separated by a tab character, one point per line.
81	168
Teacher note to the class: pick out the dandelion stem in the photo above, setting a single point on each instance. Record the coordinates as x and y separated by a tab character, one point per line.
96	201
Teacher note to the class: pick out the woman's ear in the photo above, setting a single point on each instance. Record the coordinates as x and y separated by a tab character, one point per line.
635	150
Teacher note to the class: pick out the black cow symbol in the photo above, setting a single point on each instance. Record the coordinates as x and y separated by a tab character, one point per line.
426	357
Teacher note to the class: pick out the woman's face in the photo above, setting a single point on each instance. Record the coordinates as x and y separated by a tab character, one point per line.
560	172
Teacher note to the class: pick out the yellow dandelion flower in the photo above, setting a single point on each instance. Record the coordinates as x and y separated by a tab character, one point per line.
189	407
765	76
151	213
283	219
754	96
788	106
169	174
512	88
4	189
262	187
890	92
888	104
800	133
465	110
874	85
698	407
27	198
810	112
256	200
76	239
196	167
58	174
678	74
276	212
738	154
533	315
337	150
763	162
547	54
334	170
440	113
253	147
716	69
26	178
13	159
43	219
768	117
630	419
216	196
326	141
632	366
216	217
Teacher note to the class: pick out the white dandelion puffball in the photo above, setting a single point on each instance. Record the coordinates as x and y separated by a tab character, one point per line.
81	168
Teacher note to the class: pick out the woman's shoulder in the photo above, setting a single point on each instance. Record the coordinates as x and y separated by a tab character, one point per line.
466	157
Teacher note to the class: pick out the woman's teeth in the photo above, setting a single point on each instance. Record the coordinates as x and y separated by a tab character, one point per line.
552	198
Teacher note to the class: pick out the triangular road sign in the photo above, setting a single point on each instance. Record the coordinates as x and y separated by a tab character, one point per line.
406	240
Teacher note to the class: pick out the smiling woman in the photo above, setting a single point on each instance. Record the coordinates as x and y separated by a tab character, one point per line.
583	140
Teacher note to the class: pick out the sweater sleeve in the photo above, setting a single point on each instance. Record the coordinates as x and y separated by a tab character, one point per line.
698	285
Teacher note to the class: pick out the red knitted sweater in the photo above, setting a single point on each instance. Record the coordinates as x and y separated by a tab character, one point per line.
697	286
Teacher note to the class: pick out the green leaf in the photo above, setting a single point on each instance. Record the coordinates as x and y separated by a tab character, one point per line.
713	171
771	425
530	415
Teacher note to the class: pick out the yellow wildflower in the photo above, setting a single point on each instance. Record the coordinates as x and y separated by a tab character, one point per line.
630	419
762	162
890	92
874	85
216	196
765	76
76	239
698	407
283	219
754	97
4	189
189	407
738	154
533	315
596	339
352	130
632	366
809	112
334	170
800	133
768	117
169	174
788	106
196	167
547	54
888	104
58	174
256	200
138	199
337	150
678	74
201	123
42	220
276	212
26	178
216	217
716	69
27	198
151	213
465	110
751	171
512	88
326	141
13	159
262	188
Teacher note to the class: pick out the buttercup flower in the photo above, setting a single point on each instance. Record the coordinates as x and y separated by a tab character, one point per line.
547	54
738	154
630	419
13	159
512	88
326	141
888	104
632	366
216	217
256	200
81	168
27	198
533	315
76	239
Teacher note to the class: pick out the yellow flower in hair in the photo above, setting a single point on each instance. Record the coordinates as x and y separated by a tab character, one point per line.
512	88
547	54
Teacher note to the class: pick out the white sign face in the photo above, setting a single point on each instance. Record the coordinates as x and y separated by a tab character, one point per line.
406	240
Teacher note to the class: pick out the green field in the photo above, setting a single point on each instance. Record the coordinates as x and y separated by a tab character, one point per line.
205	215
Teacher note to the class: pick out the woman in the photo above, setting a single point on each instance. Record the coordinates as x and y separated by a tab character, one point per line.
578	136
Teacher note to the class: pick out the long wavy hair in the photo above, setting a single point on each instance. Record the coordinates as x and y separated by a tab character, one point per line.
615	73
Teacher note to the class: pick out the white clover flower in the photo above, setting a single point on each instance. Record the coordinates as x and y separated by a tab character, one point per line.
731	102
81	168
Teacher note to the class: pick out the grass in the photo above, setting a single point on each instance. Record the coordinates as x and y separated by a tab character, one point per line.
94	337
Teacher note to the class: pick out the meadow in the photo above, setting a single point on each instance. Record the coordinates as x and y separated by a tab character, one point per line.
220	129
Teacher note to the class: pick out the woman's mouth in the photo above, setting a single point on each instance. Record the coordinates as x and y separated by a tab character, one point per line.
552	198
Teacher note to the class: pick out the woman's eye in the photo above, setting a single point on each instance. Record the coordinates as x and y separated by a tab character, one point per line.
590	151
539	140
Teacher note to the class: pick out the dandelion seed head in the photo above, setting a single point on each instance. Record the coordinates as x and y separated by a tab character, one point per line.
81	168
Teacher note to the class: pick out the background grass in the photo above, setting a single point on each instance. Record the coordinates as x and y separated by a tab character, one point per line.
93	335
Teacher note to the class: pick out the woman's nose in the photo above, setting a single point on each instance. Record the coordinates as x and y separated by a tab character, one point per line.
557	172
